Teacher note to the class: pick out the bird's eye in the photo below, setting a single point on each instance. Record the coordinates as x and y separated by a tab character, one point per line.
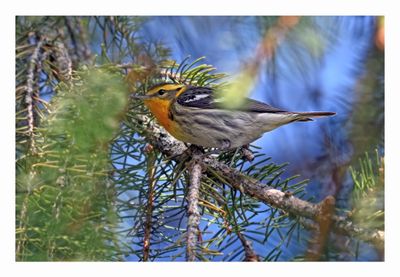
161	91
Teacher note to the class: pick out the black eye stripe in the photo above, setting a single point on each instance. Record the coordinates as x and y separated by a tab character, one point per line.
164	91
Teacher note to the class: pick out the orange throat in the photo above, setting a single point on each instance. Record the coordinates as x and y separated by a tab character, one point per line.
160	109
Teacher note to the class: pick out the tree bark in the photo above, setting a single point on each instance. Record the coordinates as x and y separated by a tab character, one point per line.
193	195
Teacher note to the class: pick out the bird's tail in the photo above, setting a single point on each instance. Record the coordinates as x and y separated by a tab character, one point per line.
308	116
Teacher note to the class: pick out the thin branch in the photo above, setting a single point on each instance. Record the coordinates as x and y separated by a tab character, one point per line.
176	150
250	254
30	91
163	72
290	203
320	237
193	195
71	33
62	65
151	169
78	39
344	226
86	53
22	227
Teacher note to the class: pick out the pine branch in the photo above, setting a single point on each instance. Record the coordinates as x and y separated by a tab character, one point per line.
176	150
250	254
320	237
67	211
34	63
151	169
345	226
22	238
193	205
78	39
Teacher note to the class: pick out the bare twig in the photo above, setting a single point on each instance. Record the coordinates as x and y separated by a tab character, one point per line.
151	169
176	150
193	205
320	238
250	254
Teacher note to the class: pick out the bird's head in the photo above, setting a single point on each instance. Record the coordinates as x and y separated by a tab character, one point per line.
162	93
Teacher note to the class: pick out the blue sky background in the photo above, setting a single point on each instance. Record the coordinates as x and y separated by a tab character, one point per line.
302	82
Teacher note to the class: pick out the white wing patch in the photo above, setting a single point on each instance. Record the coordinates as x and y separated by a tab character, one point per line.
197	97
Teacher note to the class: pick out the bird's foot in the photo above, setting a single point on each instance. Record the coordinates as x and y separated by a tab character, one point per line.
246	153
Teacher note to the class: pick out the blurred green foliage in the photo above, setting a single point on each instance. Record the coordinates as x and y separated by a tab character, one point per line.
368	117
64	205
368	192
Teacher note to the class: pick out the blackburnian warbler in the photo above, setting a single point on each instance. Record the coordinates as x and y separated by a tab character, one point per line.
197	116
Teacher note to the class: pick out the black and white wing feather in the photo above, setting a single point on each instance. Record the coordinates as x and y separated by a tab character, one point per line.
204	98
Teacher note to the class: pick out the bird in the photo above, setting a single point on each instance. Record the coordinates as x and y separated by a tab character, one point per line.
199	116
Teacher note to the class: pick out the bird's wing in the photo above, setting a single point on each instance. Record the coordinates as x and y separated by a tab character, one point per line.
203	97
